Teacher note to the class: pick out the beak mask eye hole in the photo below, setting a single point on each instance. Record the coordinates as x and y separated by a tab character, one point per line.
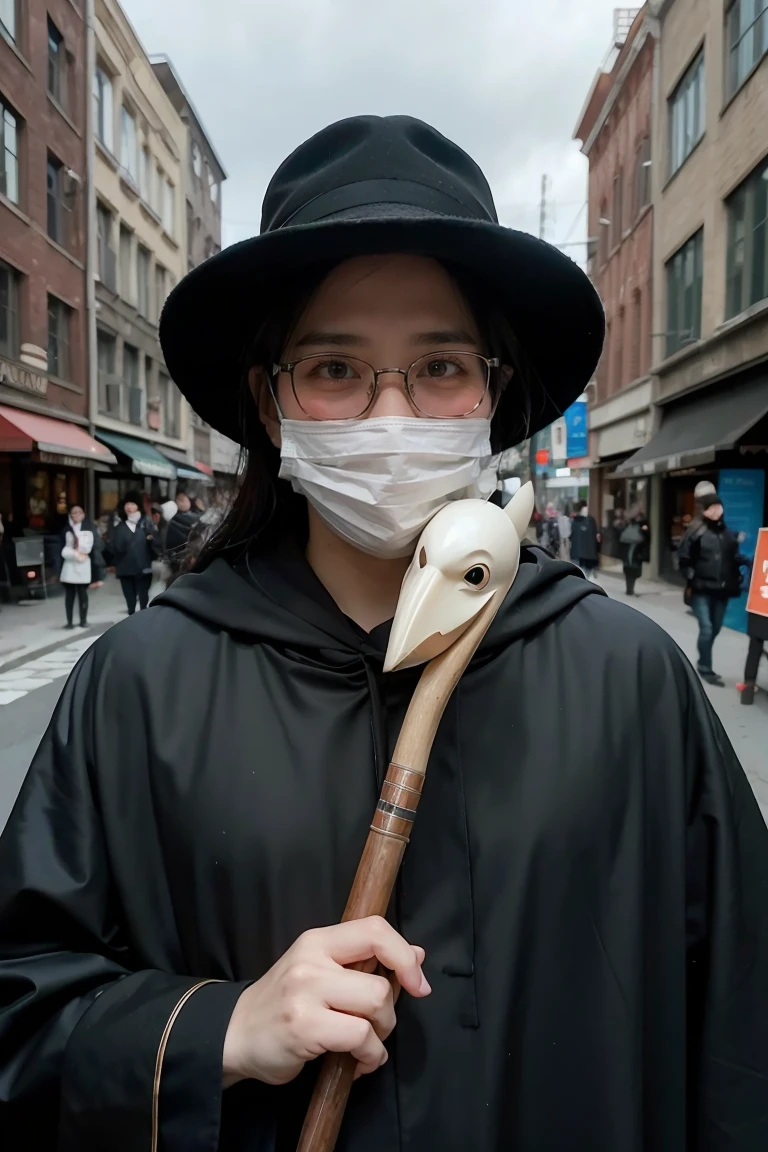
477	576
423	558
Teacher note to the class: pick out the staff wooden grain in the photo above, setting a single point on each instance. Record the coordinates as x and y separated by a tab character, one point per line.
384	848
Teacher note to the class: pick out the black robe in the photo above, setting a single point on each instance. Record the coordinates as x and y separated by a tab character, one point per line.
594	910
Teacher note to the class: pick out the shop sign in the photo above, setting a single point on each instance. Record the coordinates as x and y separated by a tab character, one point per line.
741	491
576	428
63	461
757	601
16	376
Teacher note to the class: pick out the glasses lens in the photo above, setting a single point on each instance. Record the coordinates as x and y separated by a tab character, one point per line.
448	383
333	387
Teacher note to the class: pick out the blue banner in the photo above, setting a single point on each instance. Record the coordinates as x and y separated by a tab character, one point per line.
741	491
576	425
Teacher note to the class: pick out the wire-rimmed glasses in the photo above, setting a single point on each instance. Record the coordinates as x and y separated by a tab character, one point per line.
443	385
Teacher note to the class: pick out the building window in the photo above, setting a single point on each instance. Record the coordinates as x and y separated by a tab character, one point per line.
59	202
142	280
687	107
9	18
747	39
637	335
168	207
134	396
161	287
603	225
197	160
126	253
9	311
145	163
617	378
107	254
170	405
617	222
642	177
747	259
57	65
129	150
103	112
213	187
685	278
156	191
58	338
109	385
9	153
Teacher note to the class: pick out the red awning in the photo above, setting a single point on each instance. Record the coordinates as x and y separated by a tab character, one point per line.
204	467
22	431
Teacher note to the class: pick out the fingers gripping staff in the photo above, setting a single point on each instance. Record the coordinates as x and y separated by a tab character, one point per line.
465	563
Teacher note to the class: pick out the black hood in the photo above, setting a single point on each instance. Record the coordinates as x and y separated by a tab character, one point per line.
279	600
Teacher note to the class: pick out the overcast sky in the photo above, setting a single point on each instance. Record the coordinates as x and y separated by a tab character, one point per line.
505	79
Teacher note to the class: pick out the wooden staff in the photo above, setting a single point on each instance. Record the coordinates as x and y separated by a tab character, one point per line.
467	530
384	848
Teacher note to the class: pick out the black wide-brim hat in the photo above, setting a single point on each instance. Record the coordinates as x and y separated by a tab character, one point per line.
371	185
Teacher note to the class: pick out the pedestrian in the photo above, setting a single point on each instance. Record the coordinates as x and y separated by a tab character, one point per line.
711	562
634	542
585	541
76	544
548	531
177	532
579	929
133	550
565	527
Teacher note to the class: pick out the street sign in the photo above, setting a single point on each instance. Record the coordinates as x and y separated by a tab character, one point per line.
757	601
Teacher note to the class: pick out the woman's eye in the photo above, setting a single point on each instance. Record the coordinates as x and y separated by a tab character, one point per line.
440	369
336	370
477	576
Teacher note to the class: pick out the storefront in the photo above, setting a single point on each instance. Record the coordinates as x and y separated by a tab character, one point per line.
44	465
718	434
194	479
139	467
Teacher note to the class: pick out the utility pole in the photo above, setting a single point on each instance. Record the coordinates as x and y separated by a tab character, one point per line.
543	206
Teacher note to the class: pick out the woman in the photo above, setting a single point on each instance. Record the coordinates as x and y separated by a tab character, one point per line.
77	540
575	921
634	542
711	561
133	549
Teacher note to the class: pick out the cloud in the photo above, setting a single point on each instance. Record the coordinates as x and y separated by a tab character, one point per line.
505	79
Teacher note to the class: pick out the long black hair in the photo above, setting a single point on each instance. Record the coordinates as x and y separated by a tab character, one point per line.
266	507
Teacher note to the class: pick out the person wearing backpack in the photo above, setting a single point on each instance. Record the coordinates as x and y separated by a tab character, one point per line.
585	541
711	562
635	547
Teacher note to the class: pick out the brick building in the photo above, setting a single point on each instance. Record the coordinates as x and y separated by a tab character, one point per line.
615	128
710	193
44	444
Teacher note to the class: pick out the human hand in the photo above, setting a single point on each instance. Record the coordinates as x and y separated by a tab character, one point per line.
80	556
309	1003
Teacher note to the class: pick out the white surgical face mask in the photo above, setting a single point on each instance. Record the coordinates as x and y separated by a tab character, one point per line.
378	482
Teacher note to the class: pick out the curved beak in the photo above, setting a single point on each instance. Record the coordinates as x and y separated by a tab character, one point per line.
429	617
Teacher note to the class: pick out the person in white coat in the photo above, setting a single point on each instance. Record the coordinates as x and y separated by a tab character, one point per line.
76	567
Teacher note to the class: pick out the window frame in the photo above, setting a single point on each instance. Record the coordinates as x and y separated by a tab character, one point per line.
676	267
749	195
56	206
7	111
127	116
57	70
143	261
168	214
104	119
735	79
694	76
642	186
12	35
12	346
62	368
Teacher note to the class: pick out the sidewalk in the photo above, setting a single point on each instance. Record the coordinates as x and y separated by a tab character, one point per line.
35	629
747	727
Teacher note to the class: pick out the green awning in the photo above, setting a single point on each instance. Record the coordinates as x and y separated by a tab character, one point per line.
144	458
185	470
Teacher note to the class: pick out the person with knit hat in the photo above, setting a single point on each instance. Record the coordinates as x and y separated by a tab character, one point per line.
711	561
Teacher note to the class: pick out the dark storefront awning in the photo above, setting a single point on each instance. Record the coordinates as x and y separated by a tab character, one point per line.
185	470
144	458
692	432
56	441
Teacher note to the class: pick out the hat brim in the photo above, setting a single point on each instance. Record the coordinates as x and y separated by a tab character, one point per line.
550	303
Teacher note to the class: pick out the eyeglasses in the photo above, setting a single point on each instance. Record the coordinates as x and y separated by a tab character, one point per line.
443	385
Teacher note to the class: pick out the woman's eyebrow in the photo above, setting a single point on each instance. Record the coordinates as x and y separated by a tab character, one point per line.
445	336
329	339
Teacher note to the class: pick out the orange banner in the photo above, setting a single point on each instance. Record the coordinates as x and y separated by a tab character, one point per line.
757	601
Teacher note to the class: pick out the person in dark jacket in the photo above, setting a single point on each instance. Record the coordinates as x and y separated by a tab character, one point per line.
711	561
634	544
585	541
579	927
133	548
181	524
